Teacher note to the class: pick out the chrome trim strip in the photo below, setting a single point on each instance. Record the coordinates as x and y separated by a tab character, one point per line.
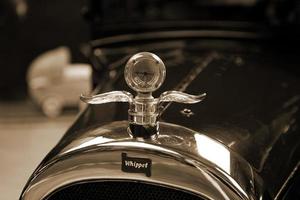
175	34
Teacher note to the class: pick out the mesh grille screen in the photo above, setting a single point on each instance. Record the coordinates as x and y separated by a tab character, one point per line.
120	191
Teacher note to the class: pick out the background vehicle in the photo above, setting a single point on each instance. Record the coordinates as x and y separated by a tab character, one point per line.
55	83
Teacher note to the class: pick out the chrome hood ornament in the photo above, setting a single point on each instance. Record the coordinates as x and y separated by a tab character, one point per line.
144	73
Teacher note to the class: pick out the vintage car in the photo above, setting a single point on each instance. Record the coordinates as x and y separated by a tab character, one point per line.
209	111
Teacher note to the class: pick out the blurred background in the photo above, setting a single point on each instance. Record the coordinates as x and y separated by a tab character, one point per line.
48	50
28	29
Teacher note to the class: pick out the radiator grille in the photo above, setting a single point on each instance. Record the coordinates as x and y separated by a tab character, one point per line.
112	190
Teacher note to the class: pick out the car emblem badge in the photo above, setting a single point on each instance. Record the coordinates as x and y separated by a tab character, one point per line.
136	165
